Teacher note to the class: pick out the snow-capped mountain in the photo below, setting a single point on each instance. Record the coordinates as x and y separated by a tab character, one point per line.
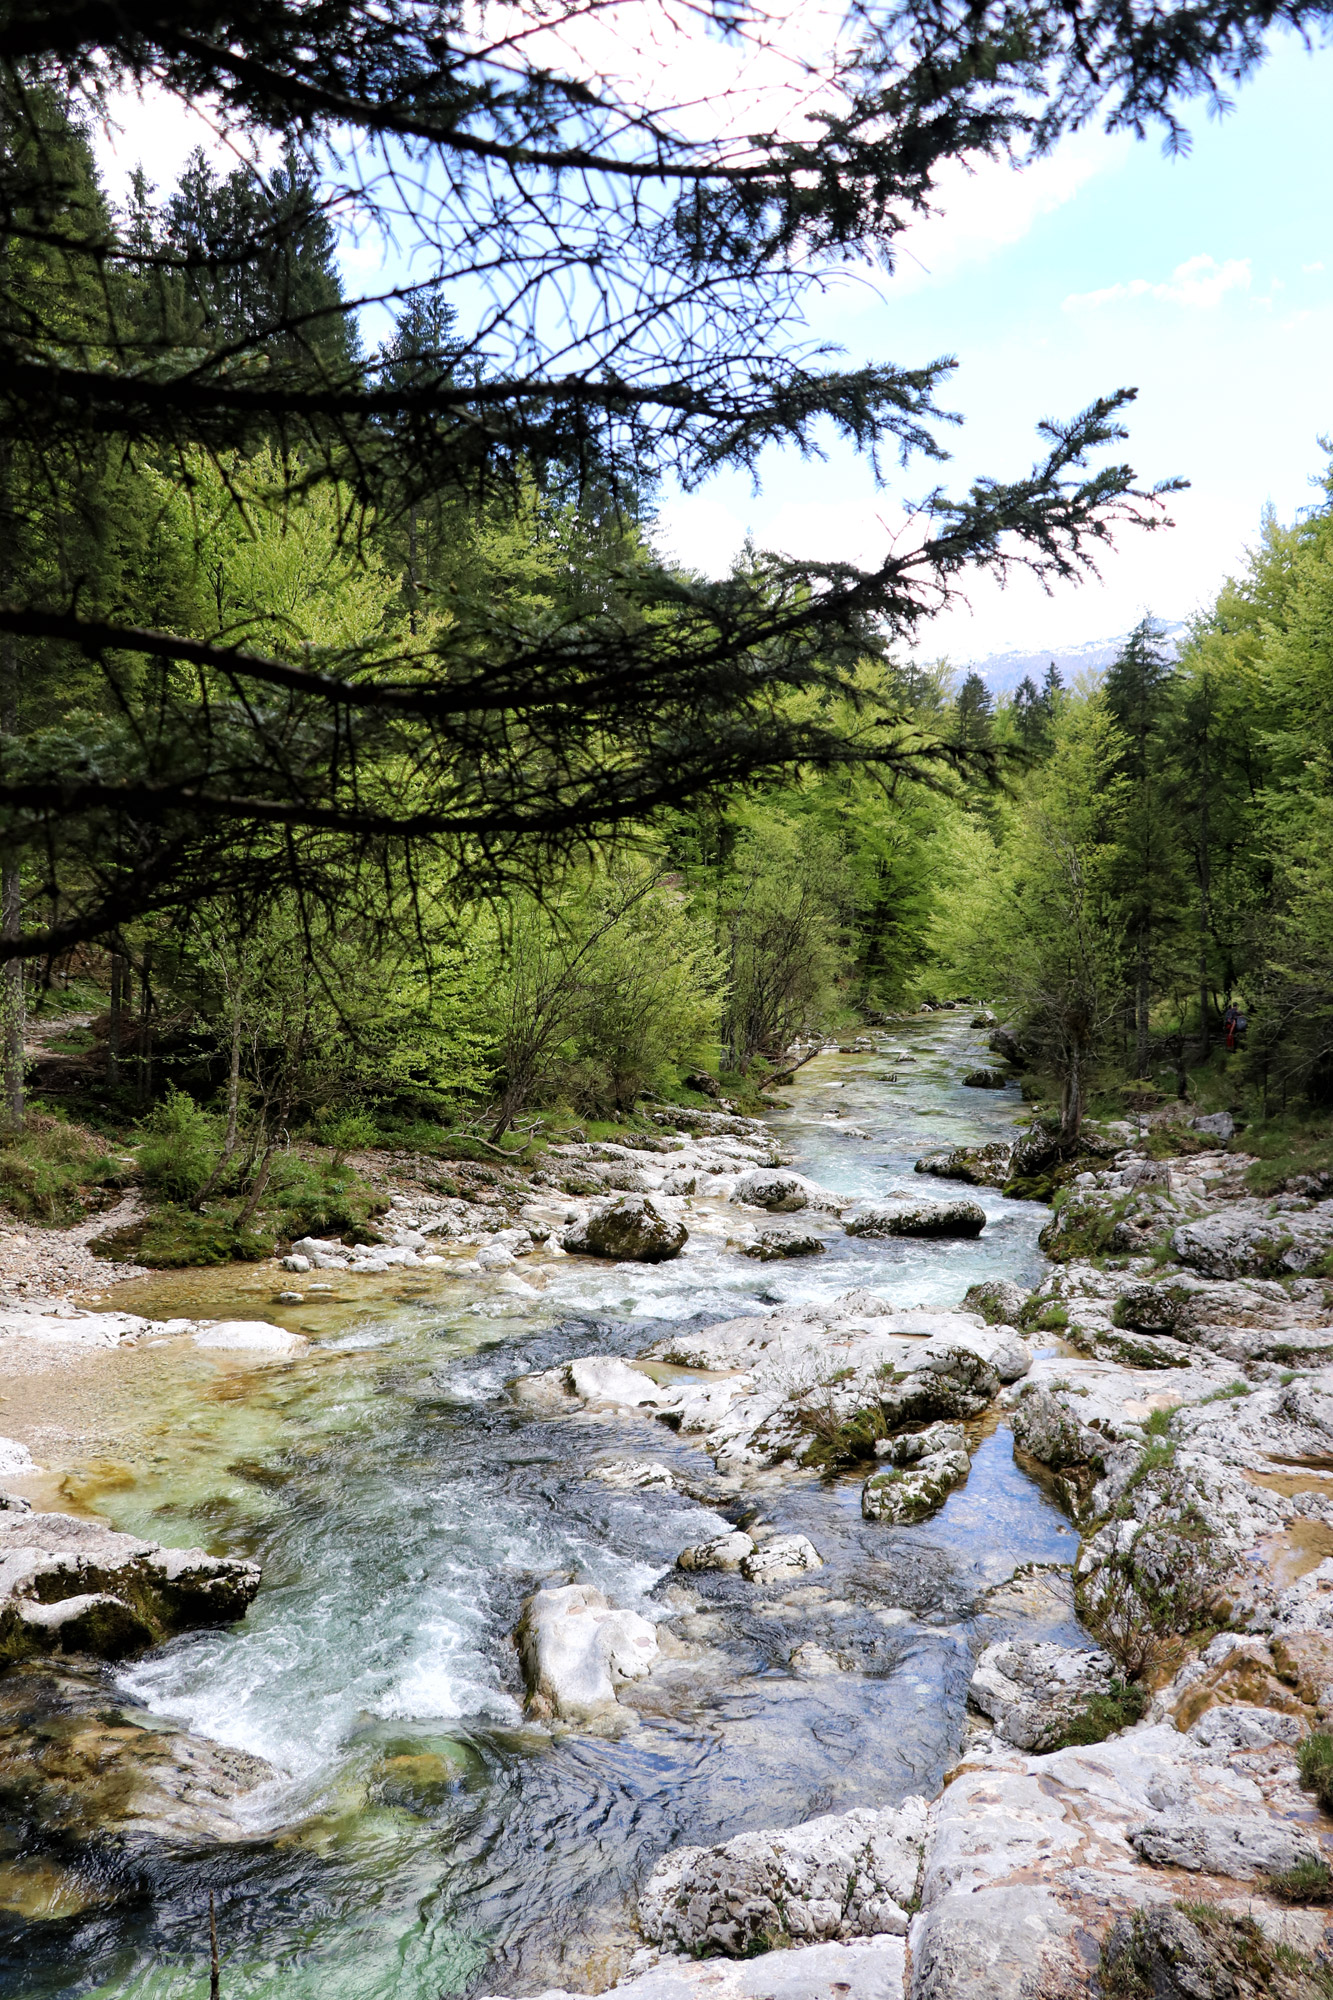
1002	672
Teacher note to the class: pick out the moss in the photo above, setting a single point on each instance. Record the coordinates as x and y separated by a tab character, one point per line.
173	1239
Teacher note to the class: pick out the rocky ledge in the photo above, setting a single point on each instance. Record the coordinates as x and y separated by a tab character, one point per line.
69	1585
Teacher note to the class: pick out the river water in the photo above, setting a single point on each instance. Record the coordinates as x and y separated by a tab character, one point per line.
422	1838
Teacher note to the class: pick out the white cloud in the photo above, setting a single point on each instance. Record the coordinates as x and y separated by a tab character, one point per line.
1200	282
1310	269
157	131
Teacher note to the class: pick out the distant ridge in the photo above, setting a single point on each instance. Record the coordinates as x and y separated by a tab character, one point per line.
1002	672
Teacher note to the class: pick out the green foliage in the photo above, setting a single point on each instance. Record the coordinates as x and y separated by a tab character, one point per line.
1308	1882
1314	1759
1228	1394
176	1238
179	1148
51	1172
1104	1715
1159	1423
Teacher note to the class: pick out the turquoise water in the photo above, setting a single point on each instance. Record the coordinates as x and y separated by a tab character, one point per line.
420	1838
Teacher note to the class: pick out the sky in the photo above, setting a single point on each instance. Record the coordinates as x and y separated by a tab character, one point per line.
1204	281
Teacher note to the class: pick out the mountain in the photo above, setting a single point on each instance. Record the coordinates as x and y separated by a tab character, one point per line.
1003	671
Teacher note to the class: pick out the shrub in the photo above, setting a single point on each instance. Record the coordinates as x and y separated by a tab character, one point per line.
1104	1715
179	1148
52	1171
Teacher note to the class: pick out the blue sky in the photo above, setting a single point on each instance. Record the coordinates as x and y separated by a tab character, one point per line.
1057	284
1206	281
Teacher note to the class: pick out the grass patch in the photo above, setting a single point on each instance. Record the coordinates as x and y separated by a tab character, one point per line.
1159	1423
1288	1147
1314	1759
52	1173
1308	1882
1053	1320
1225	1395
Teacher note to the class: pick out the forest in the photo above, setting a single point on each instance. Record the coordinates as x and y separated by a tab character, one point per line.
1132	871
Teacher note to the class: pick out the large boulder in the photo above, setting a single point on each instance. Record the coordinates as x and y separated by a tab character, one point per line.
1033	1691
999	1301
987	1079
945	1383
979	1166
1047	1430
774	1245
1240	1847
841	1876
780	1191
74	1586
779	1558
916	1475
916	1218
1004	1042
723	1552
1257	1239
577	1648
632	1230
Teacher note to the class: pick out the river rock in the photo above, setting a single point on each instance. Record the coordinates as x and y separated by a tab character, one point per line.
773	1244
980	1166
998	1300
1032	1691
783	1556
633	1230
15	1459
256	1336
917	1474
634	1475
723	1552
862	1969
605	1378
1164	1952
781	1192
71	1585
916	1218
1217	1124
1257	1239
840	1876
81	1767
987	1079
577	1648
1004	1042
1048	1430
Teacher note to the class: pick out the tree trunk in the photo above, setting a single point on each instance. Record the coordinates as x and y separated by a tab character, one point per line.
1071	1100
256	1194
145	1079
15	1022
118	986
1205	886
1141	1001
233	1081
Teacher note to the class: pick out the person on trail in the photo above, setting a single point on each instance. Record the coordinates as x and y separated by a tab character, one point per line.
1231	1023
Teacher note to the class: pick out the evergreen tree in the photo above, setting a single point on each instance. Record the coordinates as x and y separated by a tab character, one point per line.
1139	689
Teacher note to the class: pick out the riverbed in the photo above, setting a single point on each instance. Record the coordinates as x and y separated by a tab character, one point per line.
421	1837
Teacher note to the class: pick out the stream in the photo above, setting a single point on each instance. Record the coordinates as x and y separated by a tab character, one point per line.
423	1838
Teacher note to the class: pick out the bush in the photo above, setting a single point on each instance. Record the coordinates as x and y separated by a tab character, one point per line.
51	1172
1308	1882
1104	1715
320	1198
179	1149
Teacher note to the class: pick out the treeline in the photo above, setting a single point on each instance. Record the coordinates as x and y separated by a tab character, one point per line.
1158	883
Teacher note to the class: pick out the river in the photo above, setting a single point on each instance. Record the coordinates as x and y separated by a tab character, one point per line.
423	1838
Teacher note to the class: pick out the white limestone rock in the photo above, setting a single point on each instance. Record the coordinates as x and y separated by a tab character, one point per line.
255	1336
577	1649
782	1557
723	1552
861	1969
1032	1690
840	1876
